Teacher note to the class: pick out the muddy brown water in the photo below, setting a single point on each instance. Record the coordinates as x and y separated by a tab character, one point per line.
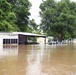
38	60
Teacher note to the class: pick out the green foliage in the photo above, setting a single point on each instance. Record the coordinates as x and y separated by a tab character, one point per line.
6	26
5	6
7	17
34	27
59	18
11	17
21	9
14	15
33	24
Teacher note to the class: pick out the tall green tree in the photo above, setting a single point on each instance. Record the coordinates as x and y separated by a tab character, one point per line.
59	19
7	17
35	27
21	8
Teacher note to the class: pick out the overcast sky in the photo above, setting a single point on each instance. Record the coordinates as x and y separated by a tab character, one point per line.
35	10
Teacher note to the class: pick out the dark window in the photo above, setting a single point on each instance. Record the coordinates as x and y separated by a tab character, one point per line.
13	41
6	41
9	41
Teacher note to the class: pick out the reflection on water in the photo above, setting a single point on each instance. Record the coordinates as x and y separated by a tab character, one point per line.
9	50
38	60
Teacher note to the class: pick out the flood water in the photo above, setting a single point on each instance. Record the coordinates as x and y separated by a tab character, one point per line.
38	60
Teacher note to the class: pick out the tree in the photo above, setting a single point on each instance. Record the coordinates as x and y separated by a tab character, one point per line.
59	19
21	9
34	27
7	17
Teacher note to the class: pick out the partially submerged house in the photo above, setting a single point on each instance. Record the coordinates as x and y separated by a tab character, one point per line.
16	37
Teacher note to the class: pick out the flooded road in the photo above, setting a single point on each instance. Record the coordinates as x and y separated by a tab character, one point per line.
38	60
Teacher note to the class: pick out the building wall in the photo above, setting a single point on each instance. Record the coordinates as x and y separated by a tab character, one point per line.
1	43
74	41
42	40
7	36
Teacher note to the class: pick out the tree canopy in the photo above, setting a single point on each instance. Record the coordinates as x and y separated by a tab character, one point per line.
21	8
35	27
14	15
7	17
59	18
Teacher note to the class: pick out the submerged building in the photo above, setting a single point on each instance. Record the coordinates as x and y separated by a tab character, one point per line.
16	37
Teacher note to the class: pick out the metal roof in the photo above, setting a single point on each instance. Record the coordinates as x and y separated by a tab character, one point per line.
21	33
29	34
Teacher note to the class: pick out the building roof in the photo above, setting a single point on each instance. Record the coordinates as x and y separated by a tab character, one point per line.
21	33
29	34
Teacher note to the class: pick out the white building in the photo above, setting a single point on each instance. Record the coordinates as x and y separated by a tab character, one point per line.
8	38
74	41
42	40
16	37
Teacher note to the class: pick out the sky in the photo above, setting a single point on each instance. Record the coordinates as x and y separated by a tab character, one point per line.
35	10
